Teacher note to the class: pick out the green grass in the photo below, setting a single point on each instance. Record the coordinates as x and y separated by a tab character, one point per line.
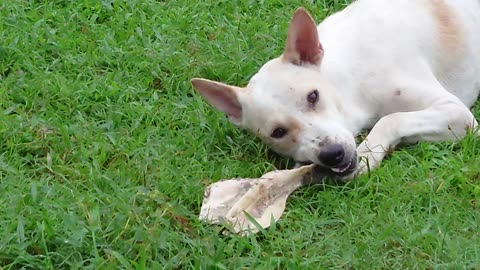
106	150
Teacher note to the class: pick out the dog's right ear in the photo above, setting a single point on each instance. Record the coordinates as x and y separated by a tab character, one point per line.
222	96
303	45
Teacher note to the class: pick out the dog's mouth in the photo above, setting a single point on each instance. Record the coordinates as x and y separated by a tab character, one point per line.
340	171
345	169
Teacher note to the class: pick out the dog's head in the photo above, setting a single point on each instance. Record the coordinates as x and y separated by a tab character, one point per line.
289	105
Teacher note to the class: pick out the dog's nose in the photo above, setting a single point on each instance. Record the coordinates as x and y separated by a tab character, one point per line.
332	155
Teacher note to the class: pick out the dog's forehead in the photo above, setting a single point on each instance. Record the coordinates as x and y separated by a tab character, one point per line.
263	108
277	77
262	111
276	93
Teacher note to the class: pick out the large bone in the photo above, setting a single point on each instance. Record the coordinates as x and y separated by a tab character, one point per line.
236	203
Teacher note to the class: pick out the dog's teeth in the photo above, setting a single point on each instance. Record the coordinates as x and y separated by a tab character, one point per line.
341	170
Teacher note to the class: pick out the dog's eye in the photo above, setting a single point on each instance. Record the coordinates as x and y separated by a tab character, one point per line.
312	97
279	133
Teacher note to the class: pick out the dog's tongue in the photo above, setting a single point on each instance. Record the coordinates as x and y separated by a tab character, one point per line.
247	205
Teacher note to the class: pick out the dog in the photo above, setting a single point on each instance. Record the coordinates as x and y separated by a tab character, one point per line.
406	70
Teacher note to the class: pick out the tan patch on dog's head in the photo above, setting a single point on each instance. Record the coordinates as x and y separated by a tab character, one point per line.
450	31
287	144
295	129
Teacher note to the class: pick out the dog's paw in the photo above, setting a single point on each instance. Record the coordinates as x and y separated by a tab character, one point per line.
369	158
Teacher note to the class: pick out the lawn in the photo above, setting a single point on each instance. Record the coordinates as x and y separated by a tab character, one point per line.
106	150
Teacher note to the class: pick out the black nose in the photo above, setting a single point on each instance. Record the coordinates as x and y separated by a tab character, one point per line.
332	155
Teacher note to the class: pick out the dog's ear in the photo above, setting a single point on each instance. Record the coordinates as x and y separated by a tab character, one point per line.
222	96
303	45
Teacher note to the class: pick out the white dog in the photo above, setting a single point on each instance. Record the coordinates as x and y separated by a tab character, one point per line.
407	69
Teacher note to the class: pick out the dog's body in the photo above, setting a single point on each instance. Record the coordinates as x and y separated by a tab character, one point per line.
407	70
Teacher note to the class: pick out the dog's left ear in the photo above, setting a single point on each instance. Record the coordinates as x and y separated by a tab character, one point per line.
303	45
222	96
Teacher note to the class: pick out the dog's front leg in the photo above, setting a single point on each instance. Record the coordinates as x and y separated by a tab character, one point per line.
446	119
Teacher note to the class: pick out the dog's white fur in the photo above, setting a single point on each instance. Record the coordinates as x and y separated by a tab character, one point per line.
407	70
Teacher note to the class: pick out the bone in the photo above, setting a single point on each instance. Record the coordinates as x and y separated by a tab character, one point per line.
242	204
